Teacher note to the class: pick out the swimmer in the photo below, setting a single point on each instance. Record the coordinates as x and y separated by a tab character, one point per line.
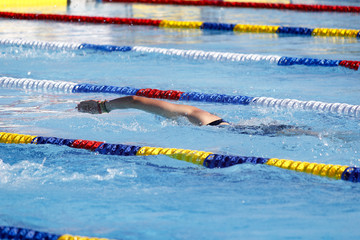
195	115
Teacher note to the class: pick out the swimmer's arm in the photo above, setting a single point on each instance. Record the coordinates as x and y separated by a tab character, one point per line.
158	107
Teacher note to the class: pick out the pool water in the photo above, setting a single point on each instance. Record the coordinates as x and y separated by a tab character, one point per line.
63	190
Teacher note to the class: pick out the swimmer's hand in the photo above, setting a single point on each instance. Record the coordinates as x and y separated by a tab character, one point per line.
92	106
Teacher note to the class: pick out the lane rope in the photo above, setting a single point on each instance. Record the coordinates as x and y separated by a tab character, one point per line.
203	158
300	31
16	233
70	87
234	4
188	54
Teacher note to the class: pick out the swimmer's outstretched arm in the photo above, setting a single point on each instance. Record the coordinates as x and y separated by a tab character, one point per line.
158	107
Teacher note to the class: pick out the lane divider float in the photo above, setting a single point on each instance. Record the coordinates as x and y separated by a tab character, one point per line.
203	158
16	233
234	4
70	87
189	54
301	31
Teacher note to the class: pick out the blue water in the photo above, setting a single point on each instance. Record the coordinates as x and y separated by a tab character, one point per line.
63	190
